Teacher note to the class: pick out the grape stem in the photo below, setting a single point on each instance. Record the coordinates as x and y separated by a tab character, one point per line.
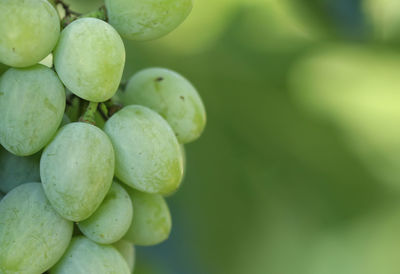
89	115
71	15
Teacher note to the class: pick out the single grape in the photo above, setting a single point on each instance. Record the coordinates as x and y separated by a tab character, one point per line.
90	58
112	219
87	257
15	170
127	251
147	153
29	31
143	20
151	222
172	96
77	168
33	237
32	103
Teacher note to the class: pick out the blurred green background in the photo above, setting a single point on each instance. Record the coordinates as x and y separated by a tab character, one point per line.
298	171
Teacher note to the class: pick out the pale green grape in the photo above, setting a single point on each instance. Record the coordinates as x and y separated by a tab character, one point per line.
127	251
172	96
29	31
77	169
33	237
86	257
112	219
15	170
147	19
151	222
90	58
32	103
147	153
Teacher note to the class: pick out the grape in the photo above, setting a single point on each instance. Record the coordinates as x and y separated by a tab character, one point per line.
77	169
127	251
90	58
15	170
86	257
112	219
29	31
33	237
32	103
151	222
142	20
147	152
172	96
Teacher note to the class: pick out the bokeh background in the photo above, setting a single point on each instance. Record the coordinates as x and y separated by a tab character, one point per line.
298	171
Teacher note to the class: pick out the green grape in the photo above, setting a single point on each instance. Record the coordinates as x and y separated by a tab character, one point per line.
90	58
127	251
77	168
86	257
151	222
112	219
143	20
147	153
33	237
29	31
32	103
172	96
15	170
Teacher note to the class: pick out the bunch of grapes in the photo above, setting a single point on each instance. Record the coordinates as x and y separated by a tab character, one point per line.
85	161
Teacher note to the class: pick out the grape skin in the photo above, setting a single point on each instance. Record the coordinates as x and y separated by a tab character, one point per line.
77	168
86	257
90	58
143	20
151	222
112	219
29	99
172	96
15	170
29	31
33	237
127	251
147	152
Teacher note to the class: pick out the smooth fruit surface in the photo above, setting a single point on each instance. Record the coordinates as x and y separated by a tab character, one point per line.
143	20
32	104
86	257
33	237
15	170
112	219
151	223
29	31
77	168
147	152
172	96
127	251
90	58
